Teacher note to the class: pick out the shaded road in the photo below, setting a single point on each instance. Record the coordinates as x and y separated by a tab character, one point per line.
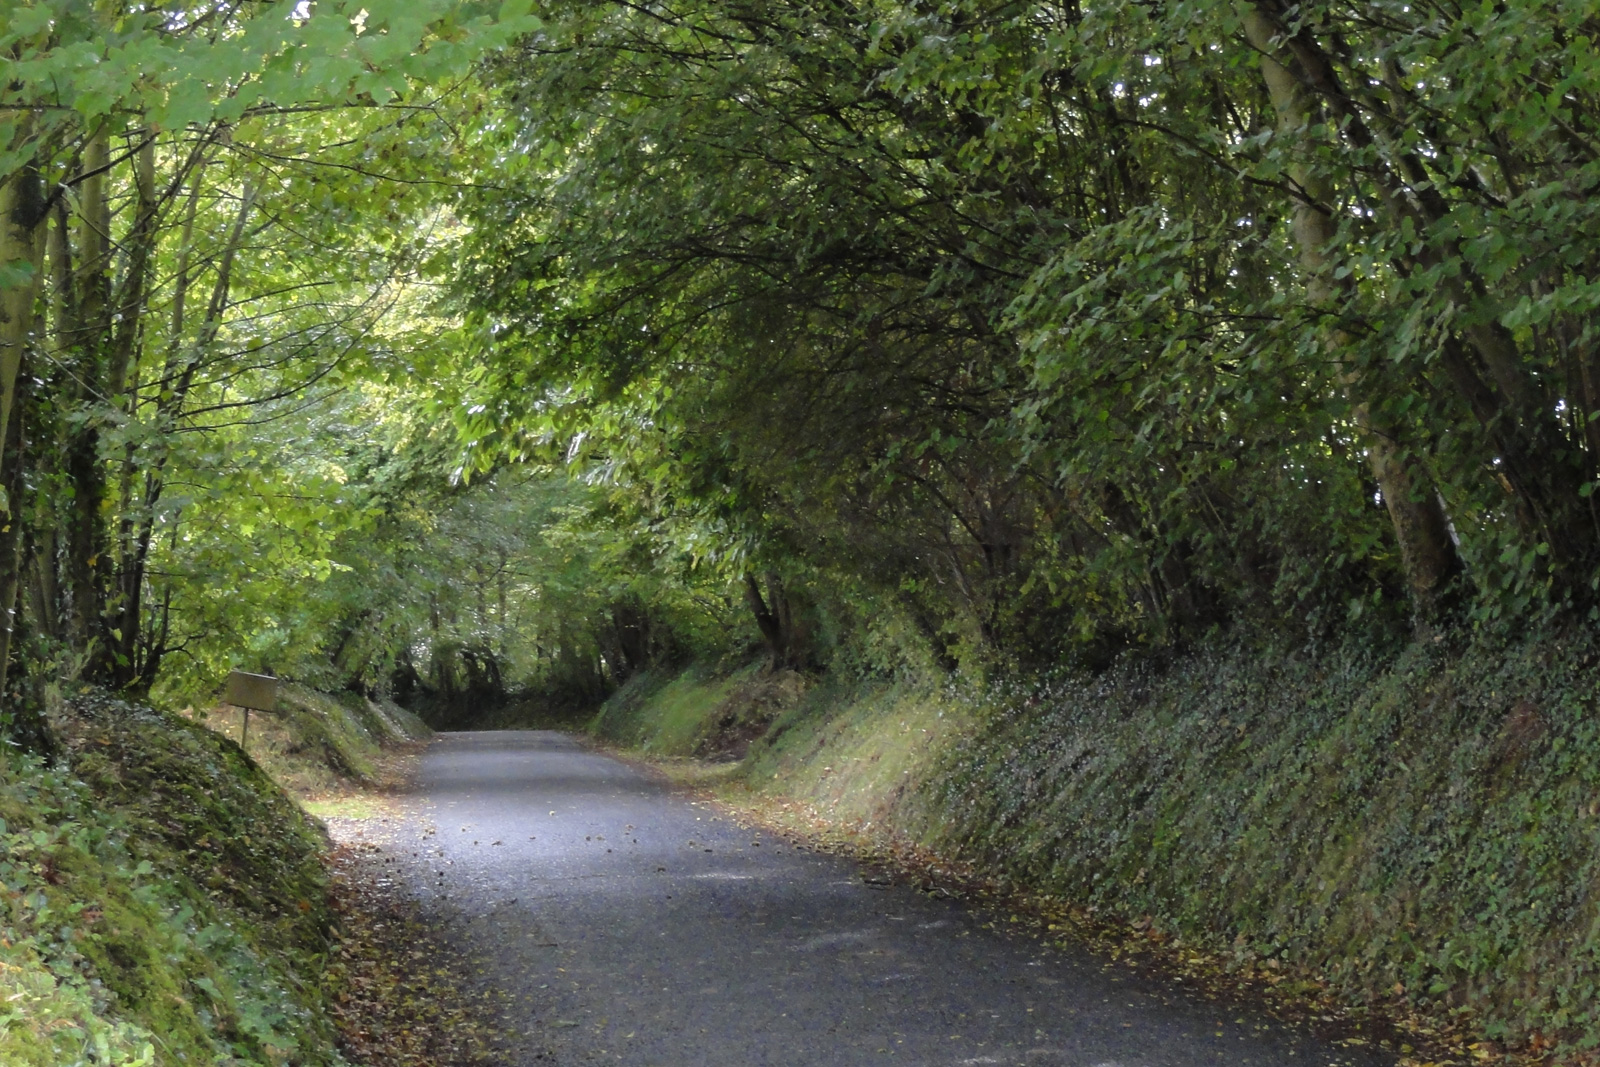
627	924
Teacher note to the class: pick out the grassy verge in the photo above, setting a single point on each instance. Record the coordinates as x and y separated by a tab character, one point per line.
317	744
1416	834
164	901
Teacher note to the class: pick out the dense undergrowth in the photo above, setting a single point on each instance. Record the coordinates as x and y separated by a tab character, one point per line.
162	899
1421	828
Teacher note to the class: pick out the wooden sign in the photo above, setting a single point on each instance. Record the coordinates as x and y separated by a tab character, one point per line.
259	691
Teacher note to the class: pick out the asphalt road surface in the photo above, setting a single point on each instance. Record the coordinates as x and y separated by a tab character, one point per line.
625	923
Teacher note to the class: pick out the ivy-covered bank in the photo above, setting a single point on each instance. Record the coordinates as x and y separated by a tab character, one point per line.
162	901
1421	827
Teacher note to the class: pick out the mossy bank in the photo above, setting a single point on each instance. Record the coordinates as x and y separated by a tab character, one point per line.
162	900
315	743
1421	828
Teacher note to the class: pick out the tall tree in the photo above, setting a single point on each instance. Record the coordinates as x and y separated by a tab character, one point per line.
154	161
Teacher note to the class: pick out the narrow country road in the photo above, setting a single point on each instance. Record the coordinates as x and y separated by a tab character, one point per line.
625	923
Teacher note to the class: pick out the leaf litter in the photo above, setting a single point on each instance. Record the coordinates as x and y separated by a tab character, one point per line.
403	996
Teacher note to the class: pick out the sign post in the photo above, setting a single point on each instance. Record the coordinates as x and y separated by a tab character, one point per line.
246	691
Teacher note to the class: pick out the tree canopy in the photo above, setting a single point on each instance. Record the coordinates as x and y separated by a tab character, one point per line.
463	347
1056	323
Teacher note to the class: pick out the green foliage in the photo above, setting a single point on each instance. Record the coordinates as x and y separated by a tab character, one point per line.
225	62
192	202
1026	332
162	902
1008	317
354	557
53	1015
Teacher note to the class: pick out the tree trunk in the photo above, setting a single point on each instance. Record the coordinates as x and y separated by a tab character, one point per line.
121	608
85	327
11	461
1483	364
44	594
133	535
22	242
23	225
1427	553
775	619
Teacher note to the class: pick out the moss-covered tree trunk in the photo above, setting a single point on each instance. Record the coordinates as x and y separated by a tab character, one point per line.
84	334
22	231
